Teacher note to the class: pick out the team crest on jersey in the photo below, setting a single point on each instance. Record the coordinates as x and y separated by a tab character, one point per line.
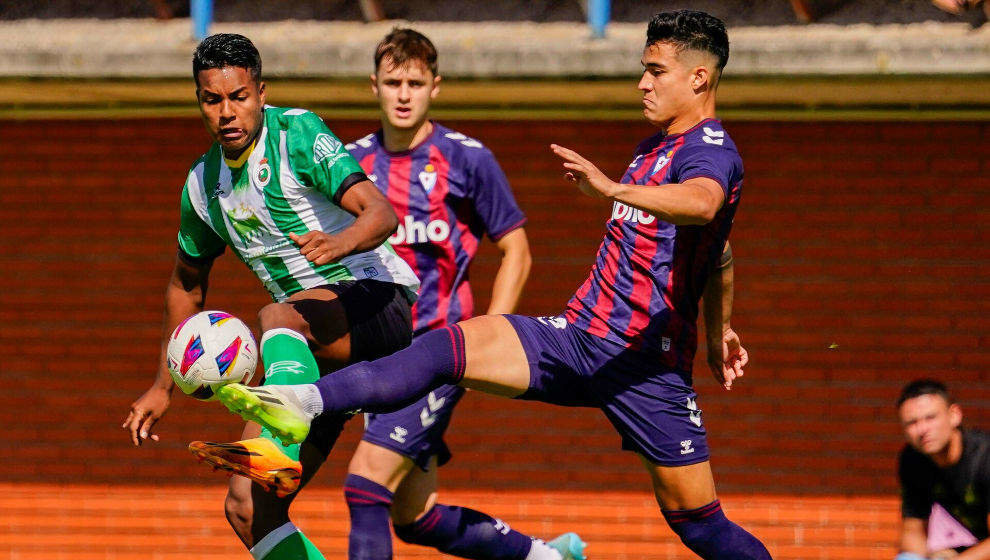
428	177
264	172
663	160
327	147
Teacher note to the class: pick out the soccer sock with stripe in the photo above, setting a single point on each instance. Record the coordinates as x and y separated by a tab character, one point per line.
285	543
387	384
710	535
288	361
466	533
368	503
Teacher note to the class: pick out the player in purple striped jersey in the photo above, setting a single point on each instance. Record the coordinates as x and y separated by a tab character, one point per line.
448	191
626	341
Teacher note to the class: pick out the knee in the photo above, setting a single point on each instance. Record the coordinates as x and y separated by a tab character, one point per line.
280	315
239	509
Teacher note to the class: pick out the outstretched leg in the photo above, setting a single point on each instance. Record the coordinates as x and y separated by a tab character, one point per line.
483	353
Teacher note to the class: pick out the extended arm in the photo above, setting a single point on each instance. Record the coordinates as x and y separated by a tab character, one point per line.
376	220
726	355
693	202
512	272
184	296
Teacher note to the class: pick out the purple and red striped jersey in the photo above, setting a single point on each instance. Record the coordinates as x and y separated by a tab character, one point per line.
448	192
647	280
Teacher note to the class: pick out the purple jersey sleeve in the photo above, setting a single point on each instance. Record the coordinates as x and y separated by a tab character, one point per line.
493	200
722	165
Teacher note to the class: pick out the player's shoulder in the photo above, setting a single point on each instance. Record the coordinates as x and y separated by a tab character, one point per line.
979	441
450	141
364	145
292	119
710	134
198	167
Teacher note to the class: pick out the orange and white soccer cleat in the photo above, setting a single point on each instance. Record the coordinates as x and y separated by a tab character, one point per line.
259	459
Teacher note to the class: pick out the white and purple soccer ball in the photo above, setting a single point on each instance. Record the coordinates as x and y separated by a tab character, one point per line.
209	350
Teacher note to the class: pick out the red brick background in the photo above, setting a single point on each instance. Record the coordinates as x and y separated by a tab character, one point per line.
861	262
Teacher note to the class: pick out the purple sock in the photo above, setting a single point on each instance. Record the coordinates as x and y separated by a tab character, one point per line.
710	535
368	502
466	533
387	384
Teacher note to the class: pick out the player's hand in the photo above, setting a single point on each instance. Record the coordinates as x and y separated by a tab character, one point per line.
944	554
145	413
590	180
727	359
318	247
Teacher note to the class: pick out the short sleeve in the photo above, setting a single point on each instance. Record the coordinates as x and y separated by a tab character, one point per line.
492	197
916	491
319	158
701	160
197	240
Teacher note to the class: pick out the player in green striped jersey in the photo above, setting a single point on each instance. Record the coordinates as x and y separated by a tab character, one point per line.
280	190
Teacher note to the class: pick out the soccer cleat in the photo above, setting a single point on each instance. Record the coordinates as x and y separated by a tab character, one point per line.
569	545
258	459
273	407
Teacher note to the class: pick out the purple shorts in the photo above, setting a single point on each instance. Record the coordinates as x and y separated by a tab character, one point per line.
416	431
653	409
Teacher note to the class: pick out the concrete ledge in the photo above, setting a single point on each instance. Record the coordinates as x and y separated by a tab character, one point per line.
310	49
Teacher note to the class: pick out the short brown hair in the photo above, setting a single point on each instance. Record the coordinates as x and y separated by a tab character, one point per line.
402	45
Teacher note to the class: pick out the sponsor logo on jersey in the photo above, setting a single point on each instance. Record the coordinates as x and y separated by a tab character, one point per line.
218	191
627	213
665	343
264	172
686	447
370	272
245	222
428	177
713	136
327	147
412	231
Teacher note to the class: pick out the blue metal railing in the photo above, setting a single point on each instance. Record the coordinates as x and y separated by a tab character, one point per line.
599	12
201	12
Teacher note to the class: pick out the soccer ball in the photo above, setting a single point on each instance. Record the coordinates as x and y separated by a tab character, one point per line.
209	350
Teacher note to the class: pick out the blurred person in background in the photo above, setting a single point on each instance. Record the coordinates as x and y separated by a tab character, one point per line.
944	472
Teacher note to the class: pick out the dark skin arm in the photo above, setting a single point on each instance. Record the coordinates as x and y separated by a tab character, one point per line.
184	296
376	220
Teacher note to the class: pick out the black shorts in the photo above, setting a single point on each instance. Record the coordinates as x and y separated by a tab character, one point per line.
379	318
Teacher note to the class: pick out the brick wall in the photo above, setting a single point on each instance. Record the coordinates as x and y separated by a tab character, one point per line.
861	262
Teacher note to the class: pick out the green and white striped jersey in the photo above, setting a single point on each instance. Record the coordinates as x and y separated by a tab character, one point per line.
292	181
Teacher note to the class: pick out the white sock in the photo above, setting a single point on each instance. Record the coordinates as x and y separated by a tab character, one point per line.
309	397
268	542
540	551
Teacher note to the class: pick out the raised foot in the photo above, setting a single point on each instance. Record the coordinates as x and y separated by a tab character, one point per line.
276	409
